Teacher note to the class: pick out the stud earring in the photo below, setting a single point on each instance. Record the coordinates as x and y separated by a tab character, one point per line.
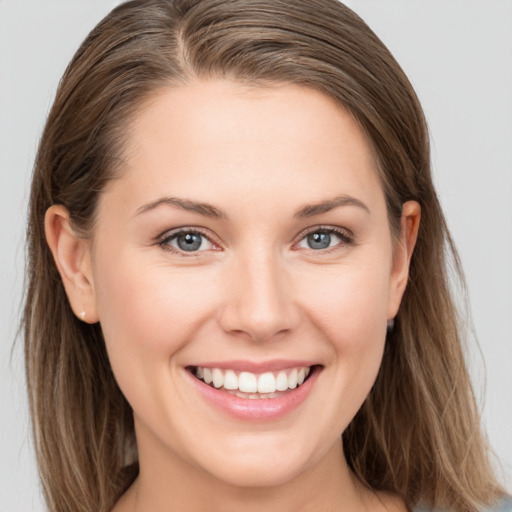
390	324
82	315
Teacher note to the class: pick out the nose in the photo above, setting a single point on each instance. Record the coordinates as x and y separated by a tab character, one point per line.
259	299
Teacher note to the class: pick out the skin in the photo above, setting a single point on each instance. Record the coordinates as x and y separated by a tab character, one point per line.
256	291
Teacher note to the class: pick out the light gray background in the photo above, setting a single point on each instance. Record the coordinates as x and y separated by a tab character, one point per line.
458	55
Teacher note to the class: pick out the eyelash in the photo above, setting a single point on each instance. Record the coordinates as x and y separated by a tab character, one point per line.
347	239
165	239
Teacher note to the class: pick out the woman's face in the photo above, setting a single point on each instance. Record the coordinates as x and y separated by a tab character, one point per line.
247	234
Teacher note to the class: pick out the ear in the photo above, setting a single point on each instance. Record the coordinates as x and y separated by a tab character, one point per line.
409	225
72	256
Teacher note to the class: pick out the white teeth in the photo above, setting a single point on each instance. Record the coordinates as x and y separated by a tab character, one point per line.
250	385
266	383
253	396
247	382
281	381
230	380
218	378
292	379
207	375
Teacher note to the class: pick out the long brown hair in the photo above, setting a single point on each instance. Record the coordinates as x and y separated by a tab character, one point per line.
418	432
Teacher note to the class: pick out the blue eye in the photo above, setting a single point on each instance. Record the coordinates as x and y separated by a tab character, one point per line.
319	240
324	239
187	241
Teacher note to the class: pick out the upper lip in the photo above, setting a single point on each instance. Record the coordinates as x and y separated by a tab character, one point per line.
257	366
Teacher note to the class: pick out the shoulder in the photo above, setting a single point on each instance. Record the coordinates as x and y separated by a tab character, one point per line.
504	505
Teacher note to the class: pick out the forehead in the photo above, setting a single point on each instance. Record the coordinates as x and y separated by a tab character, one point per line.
211	136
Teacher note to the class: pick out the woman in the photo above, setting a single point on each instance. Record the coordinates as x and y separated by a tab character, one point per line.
238	291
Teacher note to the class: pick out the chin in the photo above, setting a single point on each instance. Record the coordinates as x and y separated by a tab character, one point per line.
256	474
259	461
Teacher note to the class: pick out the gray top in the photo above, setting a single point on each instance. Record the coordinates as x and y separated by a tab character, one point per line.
503	506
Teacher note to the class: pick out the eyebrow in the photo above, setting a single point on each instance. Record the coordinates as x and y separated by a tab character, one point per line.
205	209
208	210
310	210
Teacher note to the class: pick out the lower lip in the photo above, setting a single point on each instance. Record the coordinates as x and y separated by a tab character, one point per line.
263	409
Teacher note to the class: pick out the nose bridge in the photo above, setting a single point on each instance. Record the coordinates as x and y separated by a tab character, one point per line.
260	301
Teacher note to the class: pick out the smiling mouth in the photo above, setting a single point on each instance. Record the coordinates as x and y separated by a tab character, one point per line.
252	385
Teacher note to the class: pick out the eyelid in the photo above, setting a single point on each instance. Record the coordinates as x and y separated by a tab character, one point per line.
164	237
346	236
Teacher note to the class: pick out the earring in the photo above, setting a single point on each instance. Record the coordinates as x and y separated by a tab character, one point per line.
390	324
82	315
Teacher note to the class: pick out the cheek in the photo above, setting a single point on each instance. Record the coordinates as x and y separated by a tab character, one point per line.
350	315
149	312
349	303
148	315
